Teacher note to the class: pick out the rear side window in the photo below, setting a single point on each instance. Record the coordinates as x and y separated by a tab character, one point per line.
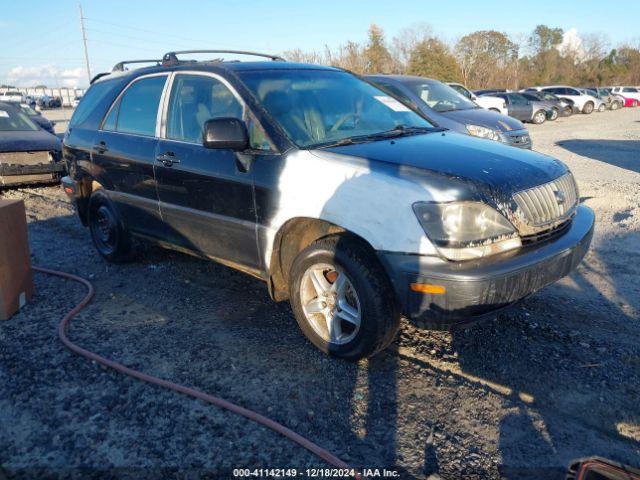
89	101
137	109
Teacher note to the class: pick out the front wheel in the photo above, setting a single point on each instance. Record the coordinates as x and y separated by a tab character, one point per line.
588	108
615	106
554	114
539	117
602	107
342	299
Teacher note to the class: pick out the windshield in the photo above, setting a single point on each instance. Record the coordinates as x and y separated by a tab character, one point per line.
13	121
28	110
441	97
316	107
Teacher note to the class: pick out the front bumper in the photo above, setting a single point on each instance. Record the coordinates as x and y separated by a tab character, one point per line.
518	138
480	288
22	168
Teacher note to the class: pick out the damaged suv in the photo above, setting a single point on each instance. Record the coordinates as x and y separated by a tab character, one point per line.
344	201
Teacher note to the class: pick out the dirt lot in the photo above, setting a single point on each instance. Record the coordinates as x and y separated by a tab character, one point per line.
518	397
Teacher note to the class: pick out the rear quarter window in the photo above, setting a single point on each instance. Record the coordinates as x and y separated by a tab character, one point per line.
94	96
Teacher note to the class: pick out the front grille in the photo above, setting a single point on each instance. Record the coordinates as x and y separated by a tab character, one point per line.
550	203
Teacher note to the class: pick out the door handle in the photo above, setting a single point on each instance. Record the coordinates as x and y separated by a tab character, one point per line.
100	147
167	159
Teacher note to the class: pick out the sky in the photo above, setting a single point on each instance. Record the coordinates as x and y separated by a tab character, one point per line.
41	41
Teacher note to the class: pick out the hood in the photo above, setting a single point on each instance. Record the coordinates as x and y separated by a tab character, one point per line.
25	141
486	164
485	118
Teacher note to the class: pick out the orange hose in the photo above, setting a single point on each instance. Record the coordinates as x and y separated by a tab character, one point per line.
217	401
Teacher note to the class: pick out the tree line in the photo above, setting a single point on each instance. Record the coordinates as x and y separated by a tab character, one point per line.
487	58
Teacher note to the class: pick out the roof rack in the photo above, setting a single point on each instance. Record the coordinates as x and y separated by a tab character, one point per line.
119	67
99	75
170	59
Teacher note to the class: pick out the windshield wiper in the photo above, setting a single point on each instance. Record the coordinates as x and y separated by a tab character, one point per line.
397	131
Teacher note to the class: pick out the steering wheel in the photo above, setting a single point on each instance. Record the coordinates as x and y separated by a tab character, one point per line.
442	103
341	121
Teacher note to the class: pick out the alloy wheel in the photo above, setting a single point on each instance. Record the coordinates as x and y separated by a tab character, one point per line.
330	303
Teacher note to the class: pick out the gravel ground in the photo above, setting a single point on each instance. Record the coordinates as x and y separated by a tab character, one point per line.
519	397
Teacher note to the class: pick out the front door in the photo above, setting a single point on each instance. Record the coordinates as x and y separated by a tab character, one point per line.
206	195
123	154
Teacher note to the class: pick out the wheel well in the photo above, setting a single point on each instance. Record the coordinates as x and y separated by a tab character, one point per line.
87	186
293	237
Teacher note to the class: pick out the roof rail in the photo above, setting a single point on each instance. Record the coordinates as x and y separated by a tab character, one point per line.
170	59
99	75
119	67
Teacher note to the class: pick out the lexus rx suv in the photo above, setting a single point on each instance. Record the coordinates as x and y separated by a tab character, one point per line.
346	202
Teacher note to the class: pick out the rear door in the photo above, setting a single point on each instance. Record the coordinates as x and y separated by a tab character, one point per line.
206	195
123	153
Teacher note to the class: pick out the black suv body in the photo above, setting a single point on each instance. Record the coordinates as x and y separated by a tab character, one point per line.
339	197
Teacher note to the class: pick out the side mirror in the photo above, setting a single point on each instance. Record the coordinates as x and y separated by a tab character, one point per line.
225	133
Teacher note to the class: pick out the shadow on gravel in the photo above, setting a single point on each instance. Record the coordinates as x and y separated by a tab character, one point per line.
620	153
572	352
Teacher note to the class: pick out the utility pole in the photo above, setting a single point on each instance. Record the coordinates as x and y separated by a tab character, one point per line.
84	41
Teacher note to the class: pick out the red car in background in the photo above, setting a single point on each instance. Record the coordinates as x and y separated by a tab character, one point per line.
631	95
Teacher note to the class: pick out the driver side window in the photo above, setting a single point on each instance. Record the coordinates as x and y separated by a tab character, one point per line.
194	100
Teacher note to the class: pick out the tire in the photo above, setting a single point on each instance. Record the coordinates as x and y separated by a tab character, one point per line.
568	111
110	237
539	117
554	115
339	263
588	108
615	105
602	107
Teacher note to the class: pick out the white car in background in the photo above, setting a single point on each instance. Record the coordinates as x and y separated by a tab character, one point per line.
583	102
13	96
627	92
485	101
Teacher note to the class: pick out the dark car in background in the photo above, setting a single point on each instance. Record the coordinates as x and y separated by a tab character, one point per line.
38	118
524	109
46	101
557	108
489	91
446	107
28	154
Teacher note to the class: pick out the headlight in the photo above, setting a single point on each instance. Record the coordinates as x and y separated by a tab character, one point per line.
483	132
466	230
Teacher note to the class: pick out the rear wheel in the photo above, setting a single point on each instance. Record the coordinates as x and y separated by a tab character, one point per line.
109	235
539	117
554	114
588	108
615	105
568	110
342	299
